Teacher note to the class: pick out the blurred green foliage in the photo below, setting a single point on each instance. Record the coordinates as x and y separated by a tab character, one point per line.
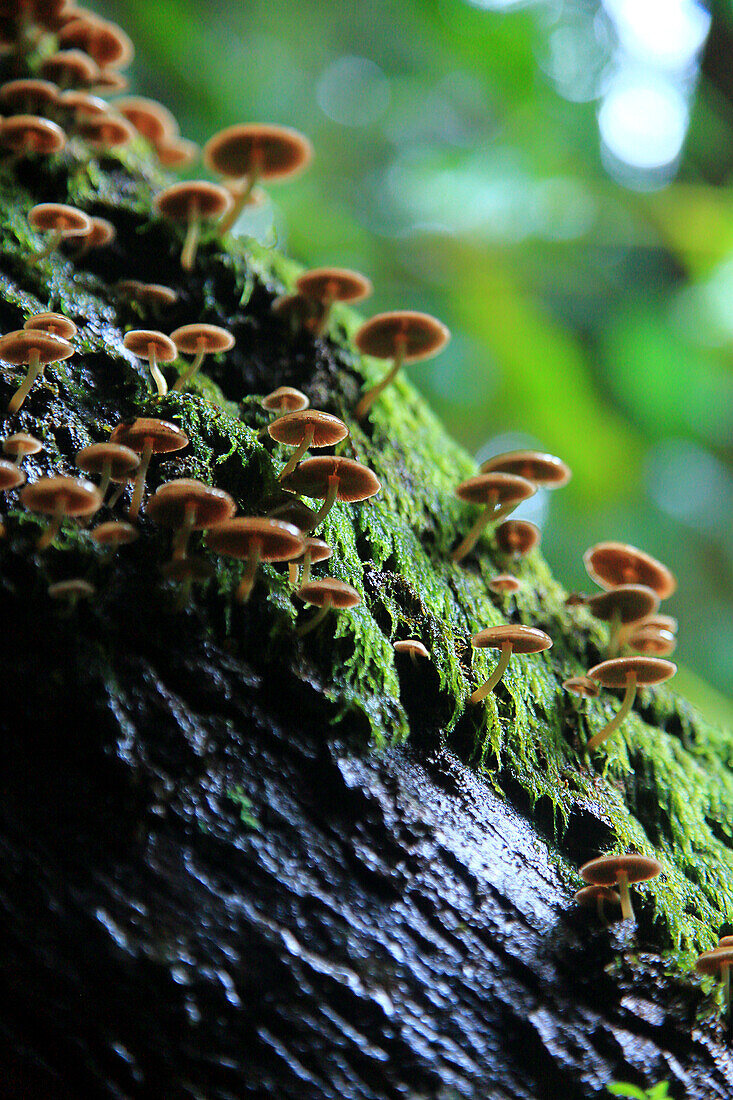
589	319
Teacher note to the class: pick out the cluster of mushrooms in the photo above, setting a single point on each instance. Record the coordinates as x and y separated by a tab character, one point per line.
76	59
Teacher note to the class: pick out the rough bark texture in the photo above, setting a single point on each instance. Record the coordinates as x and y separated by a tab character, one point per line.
235	864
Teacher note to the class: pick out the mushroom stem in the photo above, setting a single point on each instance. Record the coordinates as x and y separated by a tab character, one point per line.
183	534
250	572
106	478
142	470
193	367
240	201
367	399
54	240
53	527
298	453
155	372
627	909
191	243
35	369
315	620
325	306
328	503
613	725
614	635
294	573
496	675
467	544
306	567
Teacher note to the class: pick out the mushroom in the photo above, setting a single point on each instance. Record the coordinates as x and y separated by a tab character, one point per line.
55	323
325	594
622	606
147	436
403	336
509	639
596	897
26	134
326	285
517	537
620	870
10	476
330	479
105	42
187	506
29	96
114	533
60	222
111	461
250	152
150	118
70	69
499	494
298	313
546	470
21	444
147	294
83	103
71	591
252	539
199	340
294	511
109	83
155	347
60	498
186	571
101	234
177	153
628	673
314	550
103	132
717	964
285	399
412	647
582	686
504	584
652	641
612	563
306	429
36	349
192	203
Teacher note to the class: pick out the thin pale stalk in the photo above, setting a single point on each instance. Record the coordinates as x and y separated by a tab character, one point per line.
184	532
240	201
297	453
193	367
367	399
328	503
106	478
53	527
246	584
307	558
315	620
496	675
54	240
627	909
294	574
191	243
142	470
155	372
35	369
613	725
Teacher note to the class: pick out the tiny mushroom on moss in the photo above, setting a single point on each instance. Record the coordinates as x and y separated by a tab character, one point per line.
326	285
306	429
330	479
717	964
192	203
83	103
187	505
187	572
27	135
114	533
314	550
199	340
60	498
293	510
103	132
612	563
61	222
29	96
628	673
147	436
325	594
597	897
285	399
105	42
70	69
154	295
11	476
35	349
517	537
101	234
622	606
509	639
21	444
652	641
156	348
112	461
254	539
71	591
620	871
404	336
55	323
546	470
177	153
498	494
298	313
412	647
150	118
504	584
582	686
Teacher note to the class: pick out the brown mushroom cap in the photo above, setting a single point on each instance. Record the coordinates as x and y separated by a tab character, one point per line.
523	639
55	323
11	476
74	496
108	82
546	470
612	563
412	647
294	511
70	67
517	536
628	603
105	42
285	399
725	941
275	539
29	93
104	131
498	487
16	347
328	590
292	428
173	502
272	152
199	337
29	134
20	443
73	589
505	583
334	284
662	622
153	294
712	962
115	532
582	686
606	870
56	217
194	198
415	335
164	436
590	895
138	341
102	233
648	671
652	641
355	482
83	103
178	152
317	549
95	459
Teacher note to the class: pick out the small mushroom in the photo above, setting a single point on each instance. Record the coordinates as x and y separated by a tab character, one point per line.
546	470
55	323
652	641
597	897
71	591
177	153
509	639
717	964
330	479
102	233
582	686
612	563
285	399
70	69
153	295
27	135
504	584
29	96
155	347
298	313
248	153
147	436
326	285
60	498
306	429
192	203
187	506
61	222
627	673
21	444
111	461
105	42
412	647
325	594
114	533
293	510
620	871
187	572
150	118
83	103
498	494
252	540
403	336
622	606
517	537
199	340
103	132
35	349
314	550
10	476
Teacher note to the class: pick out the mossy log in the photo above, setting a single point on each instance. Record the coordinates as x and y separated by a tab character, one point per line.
240	864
